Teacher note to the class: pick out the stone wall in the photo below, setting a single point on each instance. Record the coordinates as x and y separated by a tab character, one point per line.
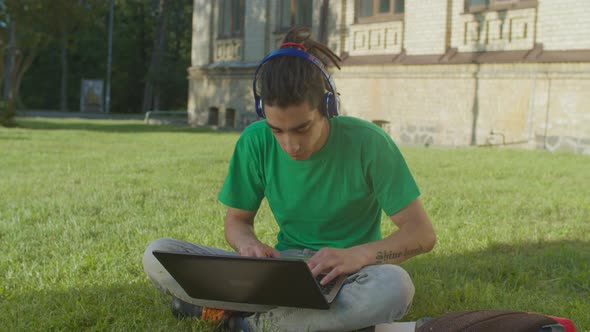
425	27
533	105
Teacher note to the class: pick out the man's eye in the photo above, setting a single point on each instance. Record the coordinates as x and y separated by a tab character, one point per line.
302	130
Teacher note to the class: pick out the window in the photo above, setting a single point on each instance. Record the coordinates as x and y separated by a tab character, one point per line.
213	116
483	5
476	5
379	10
231	18
230	117
294	12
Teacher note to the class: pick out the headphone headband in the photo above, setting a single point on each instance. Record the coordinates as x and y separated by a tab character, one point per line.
299	46
330	106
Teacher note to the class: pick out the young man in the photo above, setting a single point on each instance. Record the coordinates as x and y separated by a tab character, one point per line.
326	178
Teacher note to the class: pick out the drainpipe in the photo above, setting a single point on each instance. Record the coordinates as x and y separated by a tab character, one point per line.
475	106
547	112
532	110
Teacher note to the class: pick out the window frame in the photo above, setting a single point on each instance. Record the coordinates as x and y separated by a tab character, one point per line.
280	28
495	5
234	32
378	17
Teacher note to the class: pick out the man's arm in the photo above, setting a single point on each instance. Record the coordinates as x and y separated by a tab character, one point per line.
414	236
239	233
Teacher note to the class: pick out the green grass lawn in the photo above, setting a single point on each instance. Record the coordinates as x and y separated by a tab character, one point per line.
80	200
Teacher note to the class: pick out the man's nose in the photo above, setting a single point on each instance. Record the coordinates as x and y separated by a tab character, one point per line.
291	145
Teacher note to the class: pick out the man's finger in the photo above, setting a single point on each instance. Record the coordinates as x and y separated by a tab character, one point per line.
311	264
329	277
317	270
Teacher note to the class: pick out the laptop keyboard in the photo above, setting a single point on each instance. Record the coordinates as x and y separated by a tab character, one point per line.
327	287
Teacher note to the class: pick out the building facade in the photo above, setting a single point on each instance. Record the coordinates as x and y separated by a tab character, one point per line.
430	72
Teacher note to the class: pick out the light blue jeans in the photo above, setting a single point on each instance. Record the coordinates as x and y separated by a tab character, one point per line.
376	294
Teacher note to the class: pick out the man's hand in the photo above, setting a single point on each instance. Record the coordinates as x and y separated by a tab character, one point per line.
335	262
414	236
239	233
259	249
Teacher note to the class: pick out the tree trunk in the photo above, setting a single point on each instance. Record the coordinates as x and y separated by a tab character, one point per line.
9	62
26	64
63	96
156	61
157	91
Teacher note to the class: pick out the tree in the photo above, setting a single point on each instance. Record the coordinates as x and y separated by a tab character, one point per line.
151	94
151	51
24	41
32	26
63	19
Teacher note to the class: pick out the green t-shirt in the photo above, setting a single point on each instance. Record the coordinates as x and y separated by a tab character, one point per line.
334	198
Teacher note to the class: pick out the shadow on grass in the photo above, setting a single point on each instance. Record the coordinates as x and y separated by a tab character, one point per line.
550	278
546	277
132	307
114	126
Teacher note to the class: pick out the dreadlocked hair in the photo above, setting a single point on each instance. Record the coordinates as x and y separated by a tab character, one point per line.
287	80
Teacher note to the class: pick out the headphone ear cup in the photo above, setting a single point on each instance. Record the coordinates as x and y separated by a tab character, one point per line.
328	106
258	107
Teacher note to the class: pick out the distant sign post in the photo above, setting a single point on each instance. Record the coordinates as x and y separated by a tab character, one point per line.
91	96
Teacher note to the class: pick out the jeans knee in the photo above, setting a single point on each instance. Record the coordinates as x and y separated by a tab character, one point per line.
149	260
164	243
401	291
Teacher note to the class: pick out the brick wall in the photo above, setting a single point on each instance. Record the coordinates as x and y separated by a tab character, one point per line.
564	24
425	27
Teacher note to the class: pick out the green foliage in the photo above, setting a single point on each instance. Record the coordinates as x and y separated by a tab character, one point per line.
31	21
133	33
38	26
80	201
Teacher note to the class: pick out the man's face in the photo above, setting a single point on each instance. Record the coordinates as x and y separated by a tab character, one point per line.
300	130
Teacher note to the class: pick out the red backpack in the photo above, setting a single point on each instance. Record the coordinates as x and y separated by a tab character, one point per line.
496	320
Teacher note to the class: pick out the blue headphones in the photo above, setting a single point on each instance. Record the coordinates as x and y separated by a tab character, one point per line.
330	104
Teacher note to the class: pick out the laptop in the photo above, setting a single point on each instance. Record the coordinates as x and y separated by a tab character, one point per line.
285	282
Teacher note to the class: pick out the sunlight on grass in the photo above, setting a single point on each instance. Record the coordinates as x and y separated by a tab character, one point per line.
80	200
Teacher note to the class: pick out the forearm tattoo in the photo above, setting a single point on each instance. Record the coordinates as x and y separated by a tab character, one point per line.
387	256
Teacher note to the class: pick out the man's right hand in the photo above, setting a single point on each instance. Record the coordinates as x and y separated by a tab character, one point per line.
239	233
259	250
